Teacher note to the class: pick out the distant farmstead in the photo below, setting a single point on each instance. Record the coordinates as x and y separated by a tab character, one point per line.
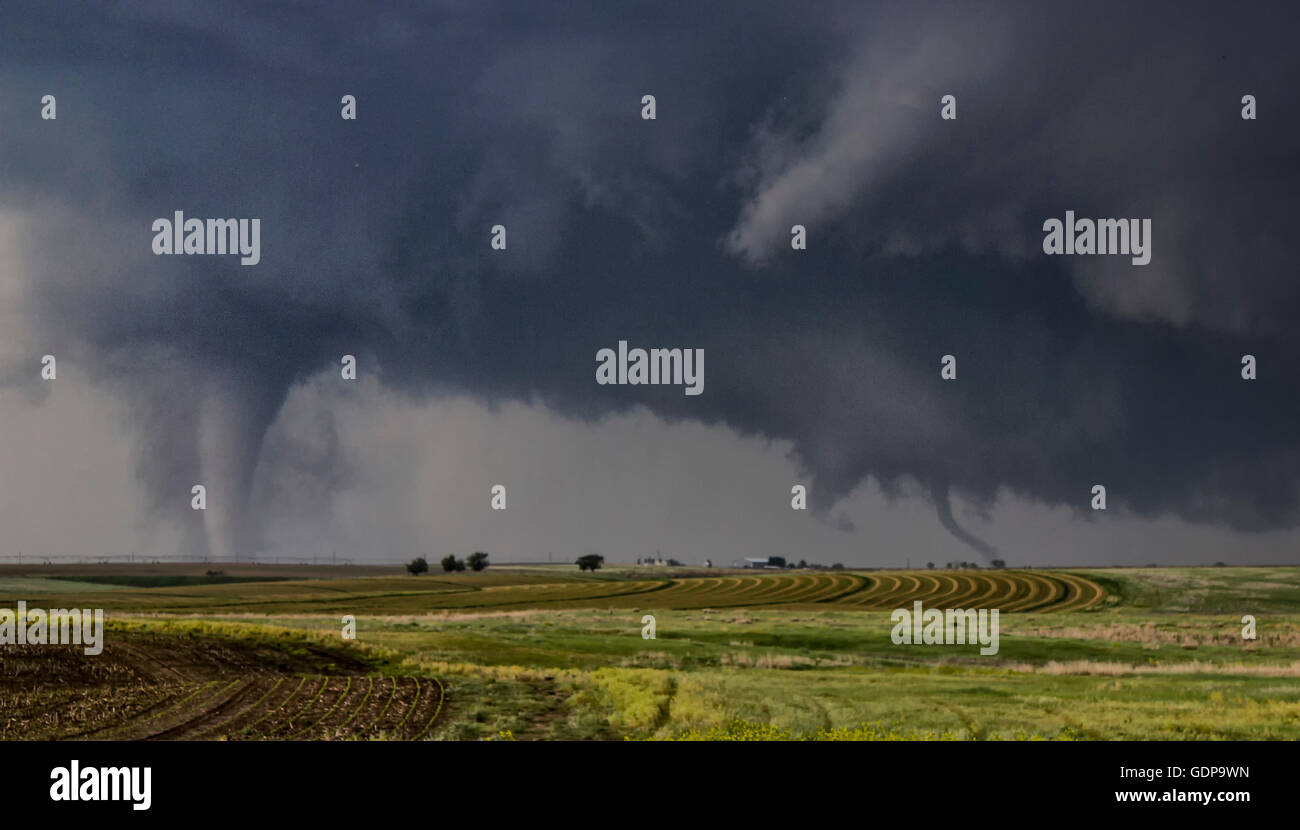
660	561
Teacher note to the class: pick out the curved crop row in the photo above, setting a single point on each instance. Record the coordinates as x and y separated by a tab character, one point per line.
1009	591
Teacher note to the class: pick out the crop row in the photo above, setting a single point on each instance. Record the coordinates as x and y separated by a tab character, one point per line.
261	707
1006	590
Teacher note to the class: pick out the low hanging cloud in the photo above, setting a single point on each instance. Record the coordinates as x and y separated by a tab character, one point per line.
924	238
1057	112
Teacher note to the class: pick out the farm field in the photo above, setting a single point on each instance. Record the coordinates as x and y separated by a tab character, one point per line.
149	685
505	589
549	653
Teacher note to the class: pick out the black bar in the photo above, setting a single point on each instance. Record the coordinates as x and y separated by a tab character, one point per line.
380	781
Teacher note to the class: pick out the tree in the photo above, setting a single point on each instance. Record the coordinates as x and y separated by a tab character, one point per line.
837	567
590	562
451	563
998	563
776	561
418	566
803	564
477	561
930	565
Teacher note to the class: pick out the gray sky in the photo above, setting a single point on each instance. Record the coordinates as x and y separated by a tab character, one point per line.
477	366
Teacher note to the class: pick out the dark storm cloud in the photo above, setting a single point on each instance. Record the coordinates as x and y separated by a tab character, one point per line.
924	235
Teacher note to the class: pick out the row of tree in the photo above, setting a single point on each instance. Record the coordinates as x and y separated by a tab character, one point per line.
476	561
779	562
996	563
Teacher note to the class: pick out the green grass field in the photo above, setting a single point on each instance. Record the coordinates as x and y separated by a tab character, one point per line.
547	652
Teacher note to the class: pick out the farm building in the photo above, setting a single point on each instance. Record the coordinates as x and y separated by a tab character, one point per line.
660	561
